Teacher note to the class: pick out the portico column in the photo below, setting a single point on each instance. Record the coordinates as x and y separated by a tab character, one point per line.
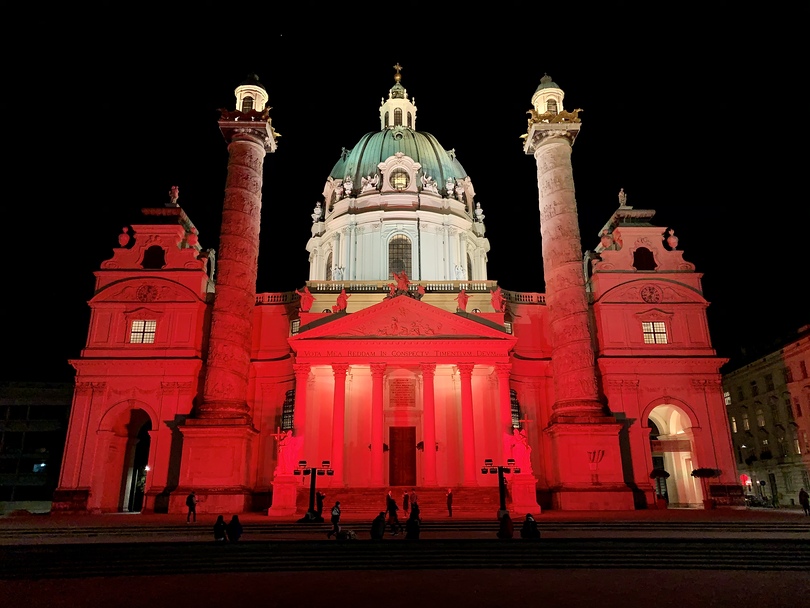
377	423
429	424
300	412
467	426
338	418
505	397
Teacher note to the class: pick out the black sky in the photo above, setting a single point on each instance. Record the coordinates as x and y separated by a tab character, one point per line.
695	118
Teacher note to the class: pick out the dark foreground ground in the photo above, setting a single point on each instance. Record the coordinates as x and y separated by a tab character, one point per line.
660	585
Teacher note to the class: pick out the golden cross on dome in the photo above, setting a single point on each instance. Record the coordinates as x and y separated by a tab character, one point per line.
397	67
397	76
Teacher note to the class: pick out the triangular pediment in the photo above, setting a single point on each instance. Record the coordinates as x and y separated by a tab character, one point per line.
400	318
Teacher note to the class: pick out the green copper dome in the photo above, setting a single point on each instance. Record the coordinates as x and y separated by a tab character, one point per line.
546	83
374	148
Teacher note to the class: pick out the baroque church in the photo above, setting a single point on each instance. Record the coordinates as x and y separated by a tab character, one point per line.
399	363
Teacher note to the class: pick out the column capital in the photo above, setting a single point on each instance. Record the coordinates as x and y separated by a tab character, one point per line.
301	368
340	368
428	369
503	369
465	369
378	369
543	132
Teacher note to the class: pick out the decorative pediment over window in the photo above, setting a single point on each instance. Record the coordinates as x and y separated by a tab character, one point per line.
399	174
140	290
654	314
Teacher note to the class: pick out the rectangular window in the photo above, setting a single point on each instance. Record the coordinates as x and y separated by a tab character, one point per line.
803	369
143	332
754	388
727	397
740	393
788	375
733	424
798	407
746	424
654	332
769	382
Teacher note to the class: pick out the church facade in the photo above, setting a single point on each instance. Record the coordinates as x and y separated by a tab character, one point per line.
399	363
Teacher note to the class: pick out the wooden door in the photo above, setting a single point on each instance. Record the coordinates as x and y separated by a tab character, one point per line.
402	456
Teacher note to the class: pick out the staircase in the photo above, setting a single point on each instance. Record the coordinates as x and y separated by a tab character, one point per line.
364	504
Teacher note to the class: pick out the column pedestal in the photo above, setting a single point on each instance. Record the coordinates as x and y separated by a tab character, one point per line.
524	496
285	494
217	461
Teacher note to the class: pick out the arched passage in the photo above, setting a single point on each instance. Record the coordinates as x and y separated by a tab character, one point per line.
123	453
672	448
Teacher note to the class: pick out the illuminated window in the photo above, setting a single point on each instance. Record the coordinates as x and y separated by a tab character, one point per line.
746	424
764	443
399	254
760	419
515	409
288	411
551	106
397	117
733	424
295	326
399	179
328	276
727	397
655	332
142	332
247	104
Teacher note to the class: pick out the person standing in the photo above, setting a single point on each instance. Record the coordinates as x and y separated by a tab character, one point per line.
449	502
412	527
234	529
191	503
220	528
406	498
335	521
804	501
319	497
413	497
391	508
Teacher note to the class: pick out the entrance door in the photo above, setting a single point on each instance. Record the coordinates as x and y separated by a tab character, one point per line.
402	456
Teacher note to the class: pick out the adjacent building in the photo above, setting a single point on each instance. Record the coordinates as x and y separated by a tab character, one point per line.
768	402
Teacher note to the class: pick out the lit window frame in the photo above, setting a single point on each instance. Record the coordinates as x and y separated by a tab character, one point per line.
654	332
142	331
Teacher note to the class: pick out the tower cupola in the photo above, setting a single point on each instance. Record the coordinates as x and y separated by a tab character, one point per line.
548	97
251	95
397	110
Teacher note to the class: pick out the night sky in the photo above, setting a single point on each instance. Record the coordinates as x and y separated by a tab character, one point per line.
695	118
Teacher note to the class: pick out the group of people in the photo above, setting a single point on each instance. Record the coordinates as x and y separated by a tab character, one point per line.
413	523
528	531
230	531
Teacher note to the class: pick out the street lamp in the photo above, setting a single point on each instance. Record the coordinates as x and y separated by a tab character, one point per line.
313	472
488	468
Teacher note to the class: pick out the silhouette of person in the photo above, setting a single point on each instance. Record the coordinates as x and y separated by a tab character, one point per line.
234	529
529	530
412	527
335	519
804	501
191	503
449	502
319	503
220	528
391	508
507	528
378	527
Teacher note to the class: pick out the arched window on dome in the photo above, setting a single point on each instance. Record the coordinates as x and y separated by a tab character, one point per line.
387	123
643	259
328	276
410	121
551	106
247	104
400	252
397	117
